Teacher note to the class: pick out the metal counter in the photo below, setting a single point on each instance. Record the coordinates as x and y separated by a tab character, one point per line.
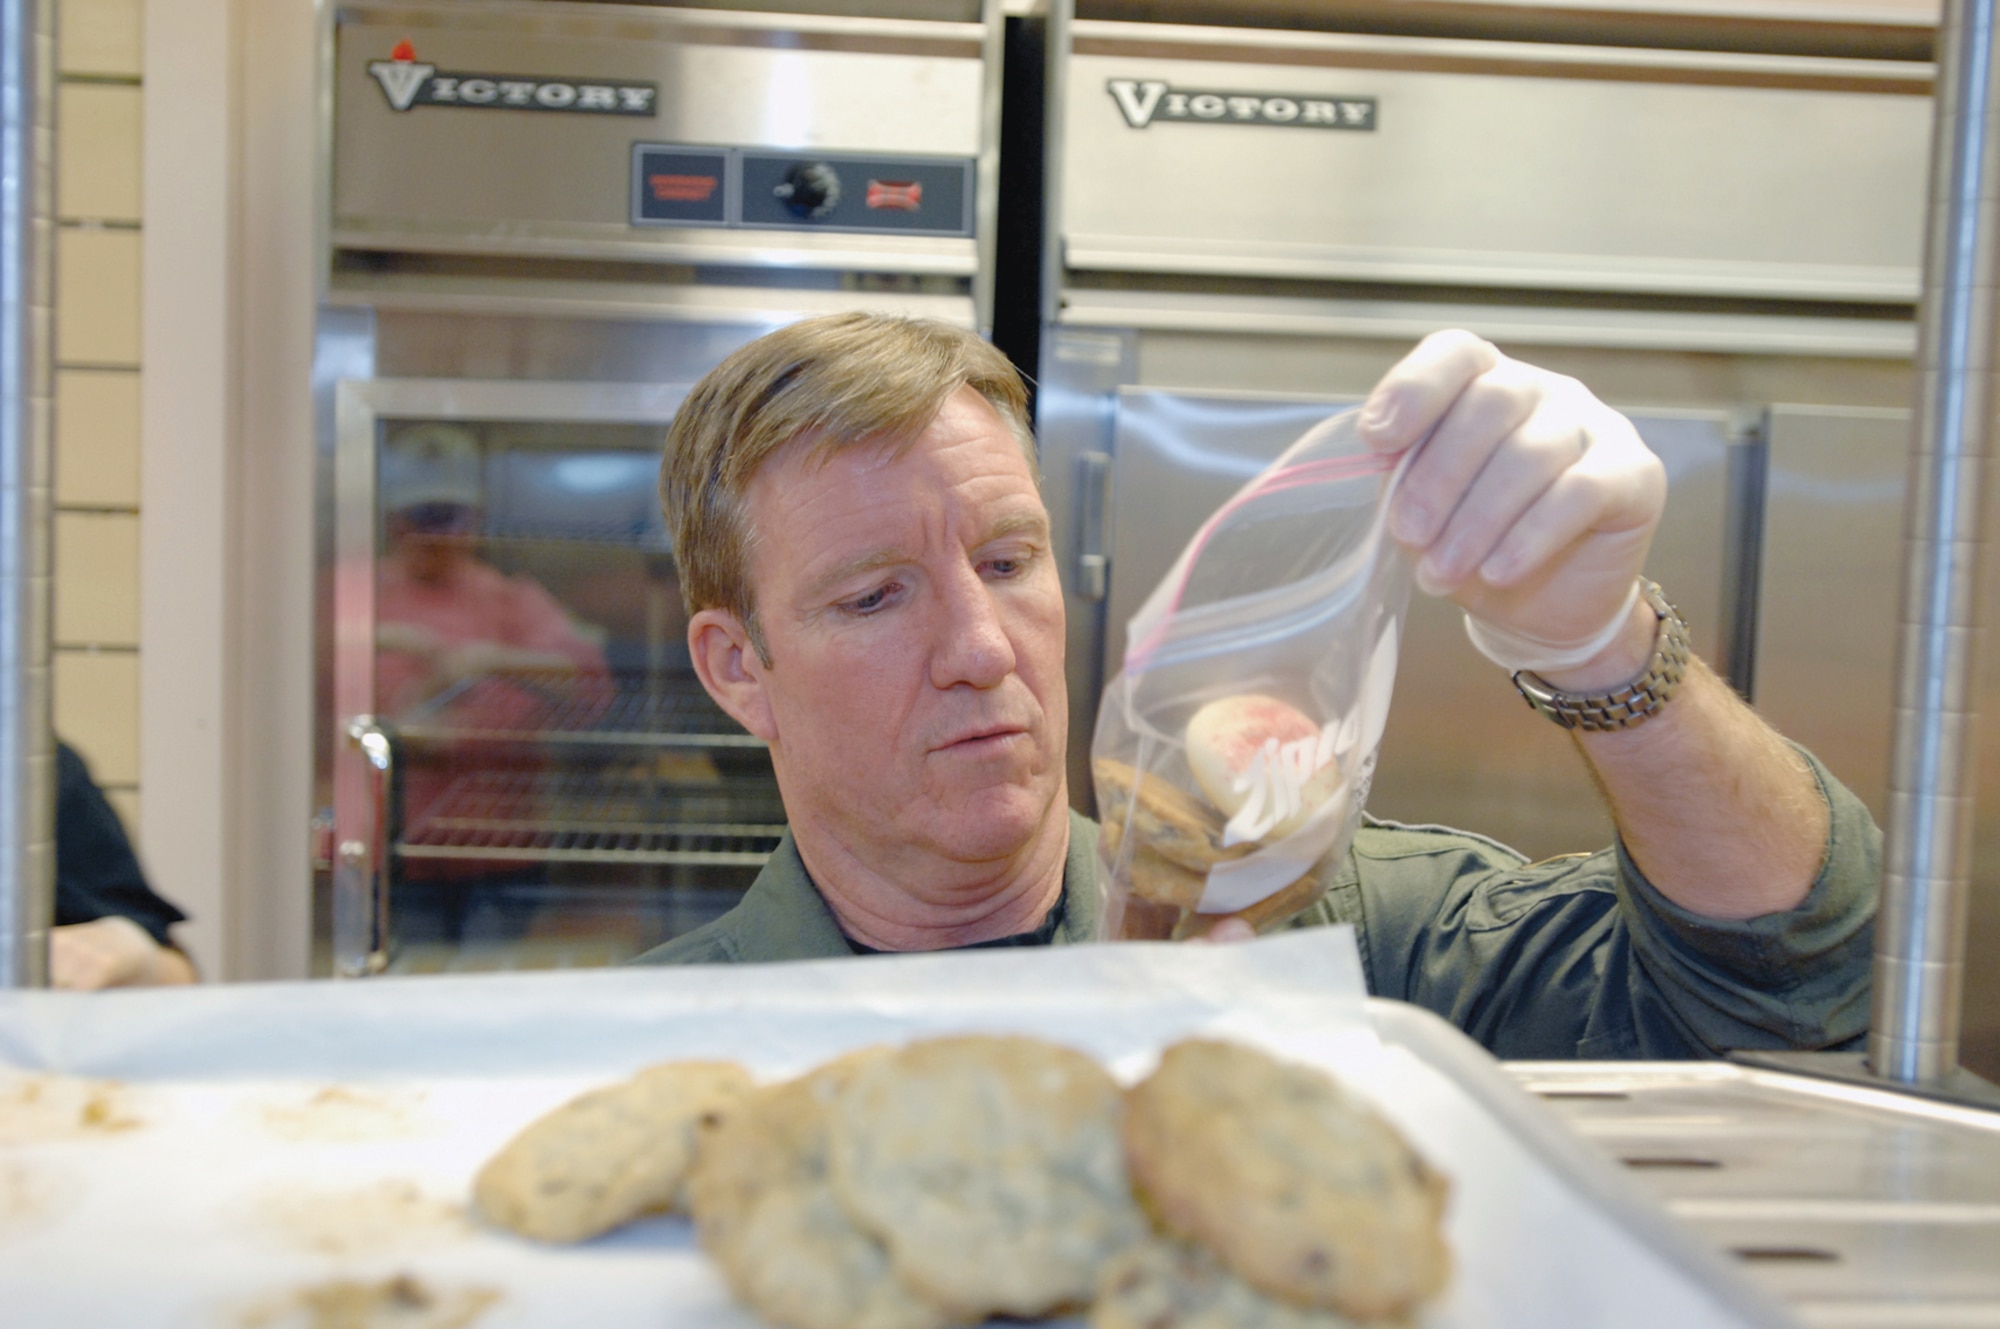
1855	1206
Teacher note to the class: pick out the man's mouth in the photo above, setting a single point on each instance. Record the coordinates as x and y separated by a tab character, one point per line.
990	735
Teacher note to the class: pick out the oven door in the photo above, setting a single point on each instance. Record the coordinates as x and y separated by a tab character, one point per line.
526	771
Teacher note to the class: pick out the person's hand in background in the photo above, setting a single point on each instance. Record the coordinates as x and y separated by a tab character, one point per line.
112	952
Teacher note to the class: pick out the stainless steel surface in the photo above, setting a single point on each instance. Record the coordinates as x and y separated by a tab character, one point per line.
1891	336
830	251
525	183
749	308
1502	164
986	198
1856	1206
358	797
27	385
1826	646
1962	1088
1075	409
1873	28
361	923
1927	868
1831	560
1619	1199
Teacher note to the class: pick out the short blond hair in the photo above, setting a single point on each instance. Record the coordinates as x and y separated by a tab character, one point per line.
830	382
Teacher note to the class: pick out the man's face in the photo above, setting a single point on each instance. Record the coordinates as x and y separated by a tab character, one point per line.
431	538
914	620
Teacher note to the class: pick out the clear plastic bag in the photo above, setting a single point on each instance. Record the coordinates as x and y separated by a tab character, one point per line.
1234	750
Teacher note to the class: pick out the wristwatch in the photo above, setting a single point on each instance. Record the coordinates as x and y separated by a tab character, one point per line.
1636	702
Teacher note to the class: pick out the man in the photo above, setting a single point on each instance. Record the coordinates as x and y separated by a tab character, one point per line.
869	570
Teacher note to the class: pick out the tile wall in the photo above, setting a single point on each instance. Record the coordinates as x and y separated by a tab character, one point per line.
98	129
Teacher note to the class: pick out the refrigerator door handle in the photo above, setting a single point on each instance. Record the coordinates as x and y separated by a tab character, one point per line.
366	861
1093	497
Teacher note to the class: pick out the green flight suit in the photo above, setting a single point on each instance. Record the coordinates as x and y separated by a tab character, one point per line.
1573	957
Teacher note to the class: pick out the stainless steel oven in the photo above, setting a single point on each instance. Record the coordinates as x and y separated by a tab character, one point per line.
545	221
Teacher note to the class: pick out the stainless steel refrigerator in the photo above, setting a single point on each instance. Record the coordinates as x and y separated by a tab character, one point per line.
544	222
1246	224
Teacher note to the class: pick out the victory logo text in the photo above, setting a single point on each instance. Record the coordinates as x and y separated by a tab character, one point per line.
409	83
1142	102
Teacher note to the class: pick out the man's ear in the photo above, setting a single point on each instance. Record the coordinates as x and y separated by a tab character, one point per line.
728	666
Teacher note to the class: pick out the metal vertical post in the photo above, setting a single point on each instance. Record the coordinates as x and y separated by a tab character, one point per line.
1920	936
27	238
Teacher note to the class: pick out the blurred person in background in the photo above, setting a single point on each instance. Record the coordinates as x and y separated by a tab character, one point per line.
463	646
112	929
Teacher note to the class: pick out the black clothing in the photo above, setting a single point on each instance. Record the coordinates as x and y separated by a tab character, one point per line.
97	874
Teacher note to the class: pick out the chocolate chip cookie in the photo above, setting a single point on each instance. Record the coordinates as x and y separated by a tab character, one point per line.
1167	820
607	1156
990	1167
1162	1284
765	1211
1303	1190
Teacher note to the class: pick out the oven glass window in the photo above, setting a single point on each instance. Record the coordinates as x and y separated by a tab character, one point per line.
566	794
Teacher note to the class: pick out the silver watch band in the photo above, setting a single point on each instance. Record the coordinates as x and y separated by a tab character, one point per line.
1636	702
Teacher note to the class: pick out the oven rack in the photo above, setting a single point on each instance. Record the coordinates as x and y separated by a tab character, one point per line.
647	538
605	817
630	710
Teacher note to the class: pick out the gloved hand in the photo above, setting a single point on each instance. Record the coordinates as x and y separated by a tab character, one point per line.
1531	503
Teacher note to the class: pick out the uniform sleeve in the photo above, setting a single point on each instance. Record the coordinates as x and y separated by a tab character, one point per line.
1799	979
1583	957
97	874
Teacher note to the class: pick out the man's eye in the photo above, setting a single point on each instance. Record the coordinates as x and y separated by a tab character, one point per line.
869	603
1006	567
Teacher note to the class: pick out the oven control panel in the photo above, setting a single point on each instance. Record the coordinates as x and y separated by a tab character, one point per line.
769	189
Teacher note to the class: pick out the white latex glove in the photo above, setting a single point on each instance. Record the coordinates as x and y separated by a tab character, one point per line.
1531	504
108	952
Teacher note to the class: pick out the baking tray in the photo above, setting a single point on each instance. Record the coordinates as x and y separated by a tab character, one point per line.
225	1155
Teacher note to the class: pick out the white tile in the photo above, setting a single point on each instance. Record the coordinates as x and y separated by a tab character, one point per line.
97	296
100	36
125	802
97	579
97	710
97	438
97	152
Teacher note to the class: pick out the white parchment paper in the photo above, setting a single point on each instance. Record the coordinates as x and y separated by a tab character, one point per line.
250	1142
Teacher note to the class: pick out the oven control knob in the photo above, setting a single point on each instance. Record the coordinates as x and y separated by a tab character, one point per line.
810	189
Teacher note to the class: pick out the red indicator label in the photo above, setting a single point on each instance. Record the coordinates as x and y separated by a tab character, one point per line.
683	188
898	195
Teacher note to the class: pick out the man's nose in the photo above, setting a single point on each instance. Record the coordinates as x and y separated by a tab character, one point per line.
972	644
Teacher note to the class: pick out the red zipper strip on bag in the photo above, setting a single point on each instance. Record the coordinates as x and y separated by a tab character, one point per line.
1291	477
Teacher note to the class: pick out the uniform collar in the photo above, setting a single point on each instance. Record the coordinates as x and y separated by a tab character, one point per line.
784	917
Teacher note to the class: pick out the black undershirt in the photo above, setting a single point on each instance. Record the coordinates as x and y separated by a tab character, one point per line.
1042	936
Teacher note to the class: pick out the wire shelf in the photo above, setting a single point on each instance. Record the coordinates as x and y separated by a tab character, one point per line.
629	710
646	537
567	817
